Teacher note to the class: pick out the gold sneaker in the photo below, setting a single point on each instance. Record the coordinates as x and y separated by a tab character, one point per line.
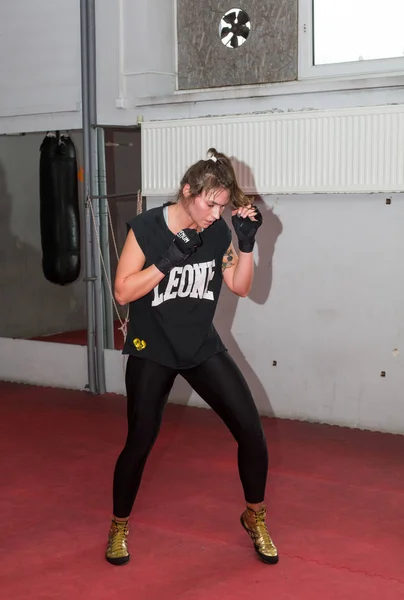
254	524
117	550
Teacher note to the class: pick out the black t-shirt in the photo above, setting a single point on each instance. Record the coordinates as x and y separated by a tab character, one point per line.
172	324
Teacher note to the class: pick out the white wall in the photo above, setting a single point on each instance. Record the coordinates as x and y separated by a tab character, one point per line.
327	302
40	81
286	97
38	363
328	308
149	47
327	305
30	306
135	56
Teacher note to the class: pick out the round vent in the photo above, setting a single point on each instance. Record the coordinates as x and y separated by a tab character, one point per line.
234	28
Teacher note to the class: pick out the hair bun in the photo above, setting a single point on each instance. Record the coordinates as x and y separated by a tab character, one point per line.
212	154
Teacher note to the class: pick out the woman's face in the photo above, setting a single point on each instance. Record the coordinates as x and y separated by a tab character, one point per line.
207	207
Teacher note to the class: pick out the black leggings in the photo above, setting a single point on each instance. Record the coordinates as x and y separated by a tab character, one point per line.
220	383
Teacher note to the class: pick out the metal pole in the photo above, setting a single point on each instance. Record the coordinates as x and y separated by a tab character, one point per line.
103	196
104	239
89	278
92	104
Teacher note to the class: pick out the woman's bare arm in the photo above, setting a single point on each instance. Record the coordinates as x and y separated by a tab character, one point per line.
131	282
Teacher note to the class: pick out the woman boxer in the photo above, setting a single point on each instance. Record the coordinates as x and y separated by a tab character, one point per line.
171	271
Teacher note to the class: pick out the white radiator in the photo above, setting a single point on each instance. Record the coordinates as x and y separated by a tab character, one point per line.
335	151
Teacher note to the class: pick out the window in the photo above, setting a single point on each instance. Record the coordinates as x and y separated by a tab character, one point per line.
350	37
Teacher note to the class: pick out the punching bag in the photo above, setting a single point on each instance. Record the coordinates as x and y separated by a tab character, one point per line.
59	212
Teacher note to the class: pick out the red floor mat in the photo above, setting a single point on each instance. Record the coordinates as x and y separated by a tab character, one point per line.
79	338
335	499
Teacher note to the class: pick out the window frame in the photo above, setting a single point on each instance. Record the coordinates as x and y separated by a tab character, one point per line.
308	70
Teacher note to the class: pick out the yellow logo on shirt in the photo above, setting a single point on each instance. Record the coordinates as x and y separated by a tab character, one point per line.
139	344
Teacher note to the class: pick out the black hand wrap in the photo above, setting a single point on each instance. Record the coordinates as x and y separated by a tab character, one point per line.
246	230
185	242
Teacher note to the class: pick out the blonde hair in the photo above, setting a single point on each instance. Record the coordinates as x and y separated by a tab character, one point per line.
214	173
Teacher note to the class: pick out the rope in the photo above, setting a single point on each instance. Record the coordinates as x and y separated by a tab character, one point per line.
139	208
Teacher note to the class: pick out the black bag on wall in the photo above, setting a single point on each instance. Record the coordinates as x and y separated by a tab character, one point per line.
59	210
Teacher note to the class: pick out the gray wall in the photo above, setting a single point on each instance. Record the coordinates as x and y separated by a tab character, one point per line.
29	305
327	304
268	55
123	158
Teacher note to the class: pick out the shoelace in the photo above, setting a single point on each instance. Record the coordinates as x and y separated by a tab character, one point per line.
262	527
259	533
117	540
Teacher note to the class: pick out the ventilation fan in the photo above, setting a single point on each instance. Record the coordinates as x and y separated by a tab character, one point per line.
235	28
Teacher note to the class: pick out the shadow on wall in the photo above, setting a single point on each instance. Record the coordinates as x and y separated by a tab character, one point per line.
229	304
267	237
29	305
